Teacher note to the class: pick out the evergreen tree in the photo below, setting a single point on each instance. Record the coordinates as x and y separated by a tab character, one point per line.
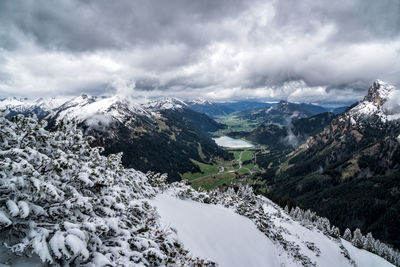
65	202
335	232
369	242
357	240
347	235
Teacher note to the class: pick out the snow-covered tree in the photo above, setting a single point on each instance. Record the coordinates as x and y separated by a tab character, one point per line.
65	202
369	242
335	232
357	238
324	225
347	235
287	209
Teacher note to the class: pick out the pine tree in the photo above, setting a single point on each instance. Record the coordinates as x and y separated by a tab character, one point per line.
347	235
369	242
357	240
287	209
335	232
65	202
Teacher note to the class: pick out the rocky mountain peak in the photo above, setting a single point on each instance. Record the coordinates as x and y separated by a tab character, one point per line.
165	103
378	93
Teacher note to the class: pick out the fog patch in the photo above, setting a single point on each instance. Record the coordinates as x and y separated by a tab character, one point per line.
124	87
99	122
392	105
291	138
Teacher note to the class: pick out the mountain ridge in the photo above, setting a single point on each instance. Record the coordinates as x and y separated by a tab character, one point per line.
351	166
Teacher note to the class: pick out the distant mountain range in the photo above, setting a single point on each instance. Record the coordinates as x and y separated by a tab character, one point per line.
283	113
267	112
214	109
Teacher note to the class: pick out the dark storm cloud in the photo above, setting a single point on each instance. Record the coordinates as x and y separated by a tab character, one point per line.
310	50
91	24
356	20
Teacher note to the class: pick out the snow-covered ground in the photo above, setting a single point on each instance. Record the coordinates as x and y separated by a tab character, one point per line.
227	141
218	233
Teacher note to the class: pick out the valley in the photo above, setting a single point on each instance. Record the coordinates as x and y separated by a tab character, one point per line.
342	166
200	133
234	123
222	173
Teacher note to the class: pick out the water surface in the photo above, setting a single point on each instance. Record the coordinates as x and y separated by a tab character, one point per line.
227	141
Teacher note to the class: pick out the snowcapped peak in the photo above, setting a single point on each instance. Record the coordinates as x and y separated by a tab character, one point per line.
85	107
11	101
378	93
50	103
165	103
200	101
382	100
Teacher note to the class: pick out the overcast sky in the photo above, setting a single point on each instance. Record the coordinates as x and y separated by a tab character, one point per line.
309	50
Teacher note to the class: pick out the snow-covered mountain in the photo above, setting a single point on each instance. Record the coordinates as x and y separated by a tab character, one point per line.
379	110
101	112
23	104
64	204
165	103
382	100
350	170
199	101
161	135
41	107
85	106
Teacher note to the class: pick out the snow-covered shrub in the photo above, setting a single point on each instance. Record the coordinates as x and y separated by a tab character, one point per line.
62	200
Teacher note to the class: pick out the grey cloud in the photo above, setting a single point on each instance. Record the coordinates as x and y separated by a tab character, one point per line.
88	25
290	49
356	20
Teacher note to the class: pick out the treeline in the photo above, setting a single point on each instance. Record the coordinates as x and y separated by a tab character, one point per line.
367	242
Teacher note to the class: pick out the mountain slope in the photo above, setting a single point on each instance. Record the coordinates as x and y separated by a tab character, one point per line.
282	113
65	204
290	136
306	127
214	109
40	107
350	171
280	238
160	135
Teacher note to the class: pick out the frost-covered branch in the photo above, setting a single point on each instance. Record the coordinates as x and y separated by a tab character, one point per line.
65	202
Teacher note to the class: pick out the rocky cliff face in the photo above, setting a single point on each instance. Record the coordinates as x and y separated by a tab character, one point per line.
365	133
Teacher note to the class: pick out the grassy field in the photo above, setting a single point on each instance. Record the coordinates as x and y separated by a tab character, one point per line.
235	124
222	173
211	177
214	181
247	155
206	169
237	154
